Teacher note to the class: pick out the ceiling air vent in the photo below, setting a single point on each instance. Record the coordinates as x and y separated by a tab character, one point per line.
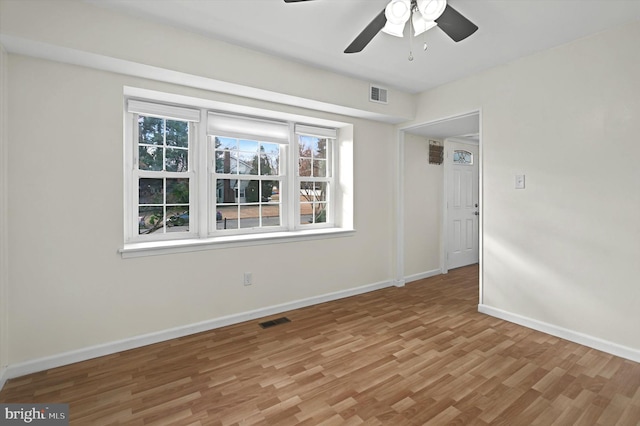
377	94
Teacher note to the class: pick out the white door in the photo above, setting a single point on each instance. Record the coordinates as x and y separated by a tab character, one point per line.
461	188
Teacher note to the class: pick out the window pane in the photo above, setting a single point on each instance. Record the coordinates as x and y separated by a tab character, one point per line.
226	155
306	213
269	189
306	191
150	130
151	191
269	164
271	215
178	191
226	162
249	216
306	146
248	163
320	168
251	191
178	219
150	219
320	191
269	159
319	213
313	191
149	158
177	160
320	148
226	143
462	157
248	146
227	217
177	133
270	148
304	167
226	191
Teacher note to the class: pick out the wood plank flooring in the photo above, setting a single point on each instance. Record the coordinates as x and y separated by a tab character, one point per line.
417	355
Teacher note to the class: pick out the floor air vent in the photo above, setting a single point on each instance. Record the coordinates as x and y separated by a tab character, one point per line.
276	321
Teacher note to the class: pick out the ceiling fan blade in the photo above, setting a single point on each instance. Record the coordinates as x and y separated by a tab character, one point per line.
455	25
294	1
367	34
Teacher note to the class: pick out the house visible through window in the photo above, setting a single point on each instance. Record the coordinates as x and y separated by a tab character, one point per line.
242	175
247	181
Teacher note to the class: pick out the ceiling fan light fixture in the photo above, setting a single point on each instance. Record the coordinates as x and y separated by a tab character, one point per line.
420	24
398	12
431	9
393	29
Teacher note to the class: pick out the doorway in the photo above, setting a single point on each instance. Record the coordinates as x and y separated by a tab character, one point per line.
461	203
461	237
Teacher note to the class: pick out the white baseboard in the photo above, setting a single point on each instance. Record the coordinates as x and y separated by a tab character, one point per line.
3	376
422	275
563	333
83	354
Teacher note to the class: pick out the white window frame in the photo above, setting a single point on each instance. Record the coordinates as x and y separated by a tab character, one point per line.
255	129
240	193
332	159
201	160
136	108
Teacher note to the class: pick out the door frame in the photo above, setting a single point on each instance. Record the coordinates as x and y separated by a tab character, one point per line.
399	279
444	240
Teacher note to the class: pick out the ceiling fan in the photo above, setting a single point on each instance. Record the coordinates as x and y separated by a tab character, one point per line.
424	15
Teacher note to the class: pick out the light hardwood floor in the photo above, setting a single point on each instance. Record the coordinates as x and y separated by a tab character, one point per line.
416	355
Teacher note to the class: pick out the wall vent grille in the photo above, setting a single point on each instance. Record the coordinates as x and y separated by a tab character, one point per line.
378	94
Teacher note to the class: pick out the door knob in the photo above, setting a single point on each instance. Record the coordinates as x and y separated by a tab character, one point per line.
476	213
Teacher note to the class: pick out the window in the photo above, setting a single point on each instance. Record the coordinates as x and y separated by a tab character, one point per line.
314	177
462	157
199	174
162	176
247	177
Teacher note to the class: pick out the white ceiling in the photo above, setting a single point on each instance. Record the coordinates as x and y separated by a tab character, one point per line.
317	32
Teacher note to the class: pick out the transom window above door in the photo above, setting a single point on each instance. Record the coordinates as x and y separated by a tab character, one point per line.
461	156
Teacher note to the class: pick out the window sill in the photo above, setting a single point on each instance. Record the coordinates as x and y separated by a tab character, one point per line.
156	248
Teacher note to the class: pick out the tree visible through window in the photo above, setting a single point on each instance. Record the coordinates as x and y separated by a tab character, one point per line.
314	173
243	175
163	191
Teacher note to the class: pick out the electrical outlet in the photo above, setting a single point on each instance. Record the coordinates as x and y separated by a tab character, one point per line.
248	278
519	181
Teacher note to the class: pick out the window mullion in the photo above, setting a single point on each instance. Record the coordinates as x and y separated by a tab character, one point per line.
201	173
131	177
293	181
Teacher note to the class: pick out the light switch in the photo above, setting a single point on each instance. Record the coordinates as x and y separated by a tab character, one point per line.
519	181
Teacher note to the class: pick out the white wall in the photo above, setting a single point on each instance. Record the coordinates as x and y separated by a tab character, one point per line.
46	26
564	252
423	185
4	246
70	289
